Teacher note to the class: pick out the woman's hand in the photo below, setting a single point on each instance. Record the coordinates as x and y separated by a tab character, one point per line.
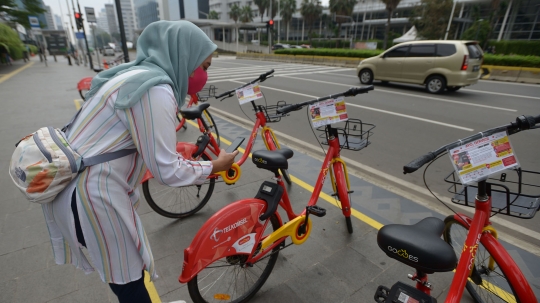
224	161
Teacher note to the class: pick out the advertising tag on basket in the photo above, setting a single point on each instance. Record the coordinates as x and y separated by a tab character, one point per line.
249	93
477	160
328	112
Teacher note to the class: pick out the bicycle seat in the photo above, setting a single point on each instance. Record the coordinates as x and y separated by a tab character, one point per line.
419	245
195	112
272	159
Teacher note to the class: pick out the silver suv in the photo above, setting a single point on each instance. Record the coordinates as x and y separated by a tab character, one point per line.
437	64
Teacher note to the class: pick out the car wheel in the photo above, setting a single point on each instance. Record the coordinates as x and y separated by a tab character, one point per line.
365	76
453	88
435	84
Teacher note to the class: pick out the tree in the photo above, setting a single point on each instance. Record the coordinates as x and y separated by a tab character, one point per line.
246	15
102	38
288	8
20	14
391	5
431	18
343	8
479	31
497	9
262	5
10	42
213	15
310	10
234	14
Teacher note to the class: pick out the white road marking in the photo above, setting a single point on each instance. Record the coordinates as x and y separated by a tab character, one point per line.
411	95
277	70
256	74
373	109
501	94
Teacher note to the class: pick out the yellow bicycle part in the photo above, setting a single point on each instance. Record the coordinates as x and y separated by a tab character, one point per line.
490	229
264	129
289	229
235	171
208	120
332	178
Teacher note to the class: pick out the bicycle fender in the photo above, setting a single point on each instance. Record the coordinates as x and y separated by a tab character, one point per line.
85	83
233	230
147	176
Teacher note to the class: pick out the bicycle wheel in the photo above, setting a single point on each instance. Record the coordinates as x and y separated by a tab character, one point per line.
340	184
284	171
209	120
178	202
491	284
230	279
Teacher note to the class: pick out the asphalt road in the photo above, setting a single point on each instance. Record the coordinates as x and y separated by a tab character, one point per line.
409	121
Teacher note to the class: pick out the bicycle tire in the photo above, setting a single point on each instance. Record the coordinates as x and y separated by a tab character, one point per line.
212	125
184	204
82	93
340	175
455	234
223	286
284	171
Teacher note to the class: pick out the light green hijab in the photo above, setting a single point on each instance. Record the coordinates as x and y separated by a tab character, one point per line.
168	52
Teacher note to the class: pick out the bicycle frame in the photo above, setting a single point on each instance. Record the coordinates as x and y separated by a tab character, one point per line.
481	231
241	219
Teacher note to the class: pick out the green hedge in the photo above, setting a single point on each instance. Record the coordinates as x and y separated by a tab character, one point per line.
502	60
525	48
342	44
10	39
514	60
364	53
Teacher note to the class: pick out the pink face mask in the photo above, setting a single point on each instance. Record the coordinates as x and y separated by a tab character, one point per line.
197	82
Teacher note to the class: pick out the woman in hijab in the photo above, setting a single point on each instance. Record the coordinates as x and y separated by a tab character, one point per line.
133	105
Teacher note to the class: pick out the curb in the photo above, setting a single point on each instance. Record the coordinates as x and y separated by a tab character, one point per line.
491	72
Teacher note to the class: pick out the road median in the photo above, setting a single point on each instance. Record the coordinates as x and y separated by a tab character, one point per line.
495	72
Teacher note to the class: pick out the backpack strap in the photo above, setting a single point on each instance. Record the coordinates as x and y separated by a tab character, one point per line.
65	128
85	162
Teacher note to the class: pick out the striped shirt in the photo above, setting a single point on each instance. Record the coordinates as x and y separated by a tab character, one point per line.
107	193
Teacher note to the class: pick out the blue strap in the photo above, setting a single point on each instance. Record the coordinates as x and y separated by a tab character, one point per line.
85	162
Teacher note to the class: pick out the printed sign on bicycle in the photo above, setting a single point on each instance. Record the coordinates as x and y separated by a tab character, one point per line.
477	160
328	112
249	93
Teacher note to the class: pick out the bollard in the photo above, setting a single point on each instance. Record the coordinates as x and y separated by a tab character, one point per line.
55	58
69	59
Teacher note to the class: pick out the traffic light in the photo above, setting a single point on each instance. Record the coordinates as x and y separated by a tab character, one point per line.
270	24
79	21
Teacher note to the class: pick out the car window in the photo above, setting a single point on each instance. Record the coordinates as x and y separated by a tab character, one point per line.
474	51
398	52
422	50
445	50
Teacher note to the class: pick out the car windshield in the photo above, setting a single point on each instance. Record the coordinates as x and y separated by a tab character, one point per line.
474	51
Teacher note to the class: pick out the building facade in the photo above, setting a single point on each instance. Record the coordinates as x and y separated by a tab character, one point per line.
49	18
58	23
110	12
147	11
102	21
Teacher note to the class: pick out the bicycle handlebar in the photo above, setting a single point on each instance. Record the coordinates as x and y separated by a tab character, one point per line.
353	91
521	123
261	78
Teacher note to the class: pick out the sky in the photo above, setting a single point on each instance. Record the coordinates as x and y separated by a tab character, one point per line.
58	6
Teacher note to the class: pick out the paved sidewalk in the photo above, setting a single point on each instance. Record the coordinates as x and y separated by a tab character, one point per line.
332	266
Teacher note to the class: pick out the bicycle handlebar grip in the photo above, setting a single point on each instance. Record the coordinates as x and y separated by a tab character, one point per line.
416	164
353	91
268	73
527	122
224	94
287	108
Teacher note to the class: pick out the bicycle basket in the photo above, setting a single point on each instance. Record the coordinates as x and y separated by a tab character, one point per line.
206	93
510	194
270	111
353	134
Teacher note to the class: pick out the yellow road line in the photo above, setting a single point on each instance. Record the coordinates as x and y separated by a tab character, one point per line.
78	103
13	73
359	215
151	288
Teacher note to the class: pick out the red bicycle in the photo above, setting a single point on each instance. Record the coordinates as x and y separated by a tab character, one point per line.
234	252
179	202
485	268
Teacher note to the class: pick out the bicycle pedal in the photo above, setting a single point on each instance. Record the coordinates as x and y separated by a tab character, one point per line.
316	211
381	294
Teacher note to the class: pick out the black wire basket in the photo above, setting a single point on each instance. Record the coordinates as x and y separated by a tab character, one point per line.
512	193
353	134
206	93
270	111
